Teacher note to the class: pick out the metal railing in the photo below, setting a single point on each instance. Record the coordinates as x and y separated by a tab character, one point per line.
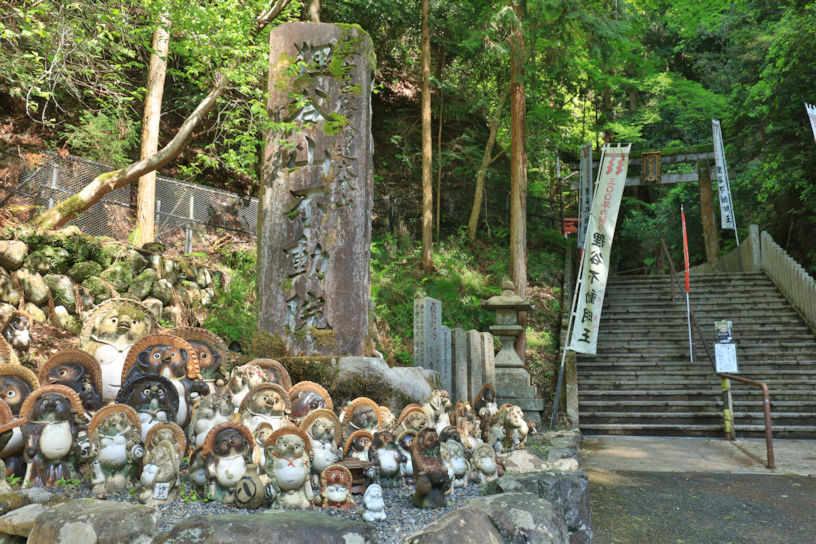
728	410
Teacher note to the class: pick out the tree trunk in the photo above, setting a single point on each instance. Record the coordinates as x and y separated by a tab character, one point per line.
439	146
314	11
712	241
427	150
146	200
518	170
103	184
493	126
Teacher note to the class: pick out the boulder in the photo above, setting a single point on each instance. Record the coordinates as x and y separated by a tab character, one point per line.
64	320
154	305
12	539
460	526
97	288
412	382
523	462
190	294
91	521
12	500
35	312
119	275
275	527
186	270
6	311
203	278
12	254
143	283
168	271
162	290
21	521
49	259
62	288
8	290
34	286
523	517
566	490
136	261
84	270
173	315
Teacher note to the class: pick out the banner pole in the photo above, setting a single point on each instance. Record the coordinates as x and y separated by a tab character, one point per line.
570	323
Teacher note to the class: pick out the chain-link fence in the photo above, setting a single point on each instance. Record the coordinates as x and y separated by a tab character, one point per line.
186	214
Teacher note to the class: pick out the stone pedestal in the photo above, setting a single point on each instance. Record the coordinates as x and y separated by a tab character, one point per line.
314	225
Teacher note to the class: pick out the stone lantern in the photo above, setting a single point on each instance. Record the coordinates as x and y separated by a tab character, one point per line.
512	381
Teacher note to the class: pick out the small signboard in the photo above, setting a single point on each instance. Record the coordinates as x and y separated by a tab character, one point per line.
161	490
726	358
724	335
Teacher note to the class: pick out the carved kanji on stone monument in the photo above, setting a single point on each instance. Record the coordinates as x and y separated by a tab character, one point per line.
315	214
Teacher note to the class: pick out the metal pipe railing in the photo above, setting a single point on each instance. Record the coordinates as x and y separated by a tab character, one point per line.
728	411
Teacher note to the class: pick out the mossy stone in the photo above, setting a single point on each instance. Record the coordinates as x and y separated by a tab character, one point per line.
97	288
48	259
190	294
163	290
86	248
119	275
143	283
62	289
84	270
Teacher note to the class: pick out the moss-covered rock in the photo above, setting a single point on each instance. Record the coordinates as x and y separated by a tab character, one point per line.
86	248
142	284
34	286
62	289
203	278
8	290
97	288
190	294
84	270
49	259
12	254
163	290
186	270
35	312
119	275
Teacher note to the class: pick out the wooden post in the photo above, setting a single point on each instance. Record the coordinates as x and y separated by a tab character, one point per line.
712	242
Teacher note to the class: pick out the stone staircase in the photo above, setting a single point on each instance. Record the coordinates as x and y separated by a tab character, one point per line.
641	381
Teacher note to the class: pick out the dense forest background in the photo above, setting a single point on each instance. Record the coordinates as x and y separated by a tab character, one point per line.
650	72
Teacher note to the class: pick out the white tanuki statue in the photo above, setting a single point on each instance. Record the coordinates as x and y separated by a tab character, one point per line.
374	504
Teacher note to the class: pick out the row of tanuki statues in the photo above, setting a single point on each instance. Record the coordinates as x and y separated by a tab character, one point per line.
250	435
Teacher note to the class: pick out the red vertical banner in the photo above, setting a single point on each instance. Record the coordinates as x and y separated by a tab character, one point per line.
685	248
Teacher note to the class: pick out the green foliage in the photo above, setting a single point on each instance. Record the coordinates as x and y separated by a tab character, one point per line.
102	137
234	314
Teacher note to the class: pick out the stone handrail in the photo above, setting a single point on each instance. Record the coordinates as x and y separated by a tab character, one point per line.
792	280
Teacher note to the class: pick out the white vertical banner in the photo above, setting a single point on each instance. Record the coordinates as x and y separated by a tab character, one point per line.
584	191
601	229
726	206
811	111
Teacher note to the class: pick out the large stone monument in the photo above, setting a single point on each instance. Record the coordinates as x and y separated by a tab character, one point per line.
432	340
314	220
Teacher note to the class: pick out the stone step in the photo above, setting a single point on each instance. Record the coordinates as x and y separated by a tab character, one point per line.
786	431
526	404
715	403
697	417
677	395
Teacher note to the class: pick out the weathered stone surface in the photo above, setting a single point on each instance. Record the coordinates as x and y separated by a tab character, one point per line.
55	260
84	270
203	278
186	270
445	366
567	490
20	521
34	286
35	312
488	357
95	522
475	363
36	494
168	271
12	539
12	254
163	290
155	306
410	381
174	315
277	527
119	275
62	289
314	232
460	366
524	517
427	320
97	288
143	283
523	462
12	501
190	294
460	526
9	292
6	311
568	440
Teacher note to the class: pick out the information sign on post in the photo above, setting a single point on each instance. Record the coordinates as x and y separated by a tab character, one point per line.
725	351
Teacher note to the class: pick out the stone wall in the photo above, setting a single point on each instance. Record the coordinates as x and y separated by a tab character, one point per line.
60	276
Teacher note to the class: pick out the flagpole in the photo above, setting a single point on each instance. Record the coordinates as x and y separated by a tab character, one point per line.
688	287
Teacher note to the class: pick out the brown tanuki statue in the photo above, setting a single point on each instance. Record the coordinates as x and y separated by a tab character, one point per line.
432	480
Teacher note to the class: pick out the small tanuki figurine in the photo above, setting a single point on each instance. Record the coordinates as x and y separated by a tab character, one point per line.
242	379
78	370
484	404
164	448
17	332
153	397
108	334
484	463
323	429
357	445
386	458
412	418
432	480
511	418
287	465
227	454
274	372
265	403
362	414
335	488
116	448
54	415
453	455
211	352
374	504
307	397
173	358
436	409
208	411
468	430
404	442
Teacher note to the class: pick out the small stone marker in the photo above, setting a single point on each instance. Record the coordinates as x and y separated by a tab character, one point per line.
488	358
475	363
314	232
427	320
460	366
445	363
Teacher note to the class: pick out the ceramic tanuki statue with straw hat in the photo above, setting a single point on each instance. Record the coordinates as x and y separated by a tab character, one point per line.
16	384
164	448
307	397
227	451
7	425
153	397
78	370
323	429
288	468
115	434
335	488
265	403
54	416
211	352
